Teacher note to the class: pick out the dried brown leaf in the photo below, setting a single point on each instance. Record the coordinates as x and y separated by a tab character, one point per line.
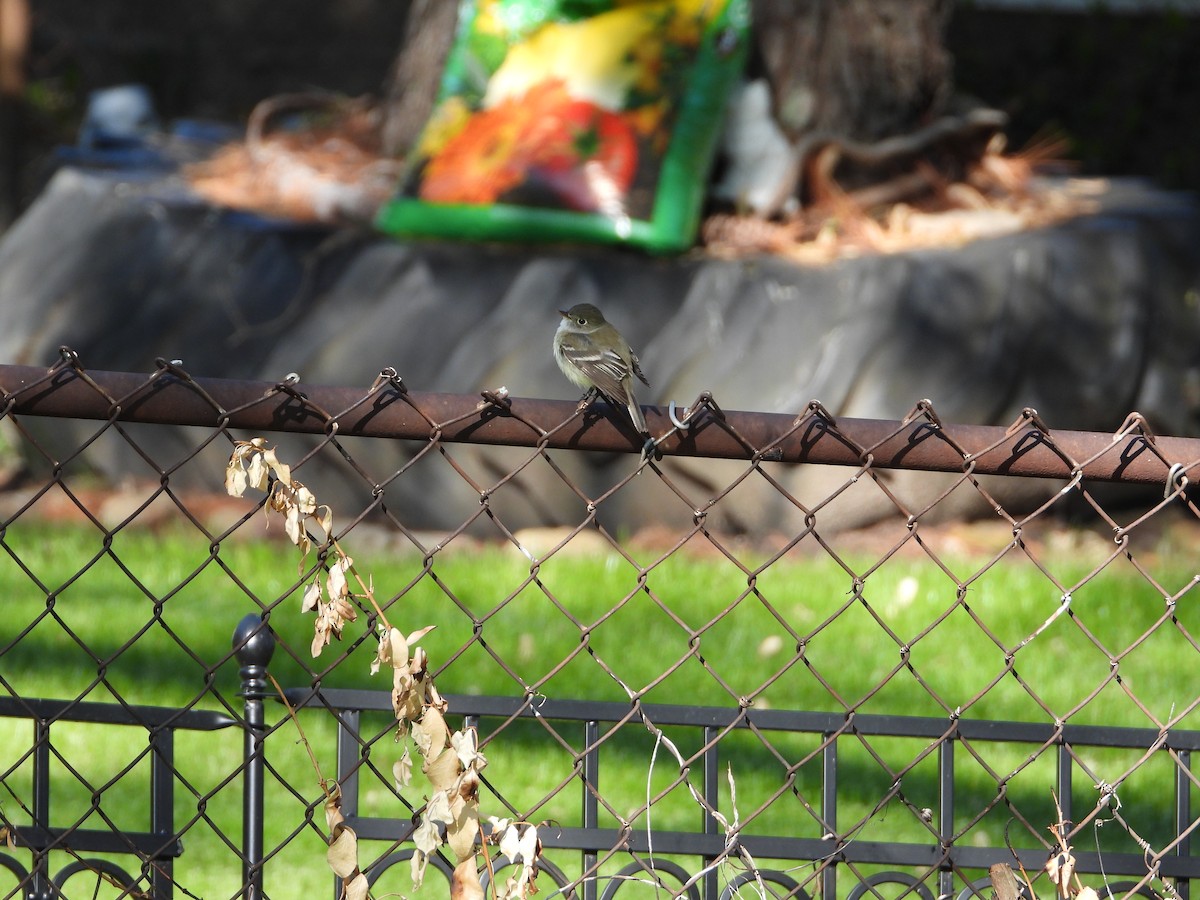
468	785
419	633
419	663
257	471
466	745
312	596
431	734
417	863
342	855
281	470
344	611
426	839
293	525
405	702
437	810
402	770
464	829
235	478
433	699
320	639
465	883
336	580
304	499
357	888
393	651
520	844
1060	867
443	771
333	809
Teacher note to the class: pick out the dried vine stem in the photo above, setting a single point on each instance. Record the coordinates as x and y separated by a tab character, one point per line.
450	761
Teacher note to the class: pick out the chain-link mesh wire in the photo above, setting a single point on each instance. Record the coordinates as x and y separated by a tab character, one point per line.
799	709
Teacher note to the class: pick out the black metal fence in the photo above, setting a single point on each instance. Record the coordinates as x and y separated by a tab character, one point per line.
794	708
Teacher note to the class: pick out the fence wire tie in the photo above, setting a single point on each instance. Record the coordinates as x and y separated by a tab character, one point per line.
1135	421
1177	480
172	367
287	386
707	399
1108	796
391	376
703	400
1028	415
684	424
1076	479
70	359
925	408
818	409
498	398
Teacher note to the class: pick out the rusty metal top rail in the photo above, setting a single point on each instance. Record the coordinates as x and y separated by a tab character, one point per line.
1133	454
1077	652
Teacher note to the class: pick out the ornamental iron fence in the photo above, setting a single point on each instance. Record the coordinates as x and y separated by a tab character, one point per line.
770	657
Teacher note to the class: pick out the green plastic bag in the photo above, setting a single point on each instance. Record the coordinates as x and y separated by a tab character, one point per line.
575	120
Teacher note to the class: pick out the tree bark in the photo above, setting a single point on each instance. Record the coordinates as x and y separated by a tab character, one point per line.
859	69
14	45
412	85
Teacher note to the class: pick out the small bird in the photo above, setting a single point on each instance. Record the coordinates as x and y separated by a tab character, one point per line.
594	356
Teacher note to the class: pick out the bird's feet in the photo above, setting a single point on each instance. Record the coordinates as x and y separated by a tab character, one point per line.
587	399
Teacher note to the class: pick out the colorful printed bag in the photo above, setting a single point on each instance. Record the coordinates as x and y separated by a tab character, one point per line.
566	120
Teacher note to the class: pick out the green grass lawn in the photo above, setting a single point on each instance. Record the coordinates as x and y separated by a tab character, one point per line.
149	618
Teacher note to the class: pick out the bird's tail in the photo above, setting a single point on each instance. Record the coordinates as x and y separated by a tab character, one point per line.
635	413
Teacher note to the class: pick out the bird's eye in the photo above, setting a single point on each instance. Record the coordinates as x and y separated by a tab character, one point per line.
581	321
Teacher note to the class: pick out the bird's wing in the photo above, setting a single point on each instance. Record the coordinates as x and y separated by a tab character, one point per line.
637	369
604	368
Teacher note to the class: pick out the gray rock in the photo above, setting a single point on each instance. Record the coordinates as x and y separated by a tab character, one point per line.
1085	321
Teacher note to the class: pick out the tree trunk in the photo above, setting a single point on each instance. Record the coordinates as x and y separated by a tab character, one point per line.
858	69
412	85
14	44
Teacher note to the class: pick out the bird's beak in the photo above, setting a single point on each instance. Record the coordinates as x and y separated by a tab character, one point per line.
563	313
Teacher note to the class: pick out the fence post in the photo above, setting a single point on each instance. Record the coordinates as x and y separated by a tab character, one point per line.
253	644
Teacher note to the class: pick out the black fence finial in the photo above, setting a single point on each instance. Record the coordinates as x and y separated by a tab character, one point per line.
254	645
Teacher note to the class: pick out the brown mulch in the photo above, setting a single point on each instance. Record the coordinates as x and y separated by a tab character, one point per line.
331	169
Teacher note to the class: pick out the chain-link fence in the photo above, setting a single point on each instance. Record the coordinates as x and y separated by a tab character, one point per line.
685	669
